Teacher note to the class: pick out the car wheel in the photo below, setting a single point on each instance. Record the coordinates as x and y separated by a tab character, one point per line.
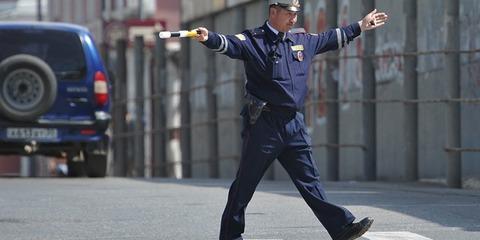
96	164
28	87
75	165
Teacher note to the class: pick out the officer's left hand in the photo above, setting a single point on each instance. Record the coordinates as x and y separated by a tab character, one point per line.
373	20
203	36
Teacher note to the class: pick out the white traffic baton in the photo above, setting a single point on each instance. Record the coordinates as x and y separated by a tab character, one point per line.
168	34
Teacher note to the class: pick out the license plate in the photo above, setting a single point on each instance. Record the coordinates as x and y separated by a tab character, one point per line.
32	133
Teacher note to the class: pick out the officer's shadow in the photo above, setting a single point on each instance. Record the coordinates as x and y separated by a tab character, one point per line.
430	202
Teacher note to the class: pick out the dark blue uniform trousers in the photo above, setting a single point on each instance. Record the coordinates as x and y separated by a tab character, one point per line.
278	135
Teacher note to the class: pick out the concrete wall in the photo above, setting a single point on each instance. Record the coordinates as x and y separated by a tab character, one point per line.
350	87
470	75
431	84
391	164
390	80
228	95
198	96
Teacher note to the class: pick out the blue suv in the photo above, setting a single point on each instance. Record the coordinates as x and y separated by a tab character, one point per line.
54	95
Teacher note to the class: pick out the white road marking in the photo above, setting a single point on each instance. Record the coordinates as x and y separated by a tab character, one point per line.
393	236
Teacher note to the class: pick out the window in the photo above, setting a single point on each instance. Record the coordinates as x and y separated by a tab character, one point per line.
61	50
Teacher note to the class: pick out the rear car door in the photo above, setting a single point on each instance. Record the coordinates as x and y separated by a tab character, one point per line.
64	53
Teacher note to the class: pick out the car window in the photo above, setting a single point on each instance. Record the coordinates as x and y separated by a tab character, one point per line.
61	50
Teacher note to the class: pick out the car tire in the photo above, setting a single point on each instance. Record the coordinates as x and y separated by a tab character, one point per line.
28	87
75	165
96	165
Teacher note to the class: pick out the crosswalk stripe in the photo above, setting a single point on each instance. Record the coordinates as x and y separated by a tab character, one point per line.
393	236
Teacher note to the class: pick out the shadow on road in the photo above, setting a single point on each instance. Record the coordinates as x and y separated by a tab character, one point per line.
456	208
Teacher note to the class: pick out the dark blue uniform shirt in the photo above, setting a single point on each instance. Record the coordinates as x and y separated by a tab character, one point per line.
276	69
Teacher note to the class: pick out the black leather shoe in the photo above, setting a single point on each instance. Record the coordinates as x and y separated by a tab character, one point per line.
354	230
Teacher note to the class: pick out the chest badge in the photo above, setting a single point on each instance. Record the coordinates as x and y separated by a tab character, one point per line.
297	48
300	56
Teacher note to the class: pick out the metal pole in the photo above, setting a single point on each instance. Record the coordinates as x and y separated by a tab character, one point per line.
33	166
369	109
301	16
333	119
212	113
104	45
240	89
159	109
185	136
140	9
213	133
119	121
452	62
139	127
270	172
39	11
411	93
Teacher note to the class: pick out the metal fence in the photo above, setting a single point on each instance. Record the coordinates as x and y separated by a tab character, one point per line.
129	137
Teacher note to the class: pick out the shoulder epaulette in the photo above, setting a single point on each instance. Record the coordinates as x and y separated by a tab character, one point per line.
297	30
257	32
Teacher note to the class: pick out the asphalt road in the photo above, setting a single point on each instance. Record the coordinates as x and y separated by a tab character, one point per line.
116	208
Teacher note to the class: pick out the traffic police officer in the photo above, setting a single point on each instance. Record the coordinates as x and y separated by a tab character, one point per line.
277	59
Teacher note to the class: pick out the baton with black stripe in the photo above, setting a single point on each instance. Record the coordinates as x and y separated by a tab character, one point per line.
168	34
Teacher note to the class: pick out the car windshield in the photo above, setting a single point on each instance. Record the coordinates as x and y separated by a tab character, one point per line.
61	50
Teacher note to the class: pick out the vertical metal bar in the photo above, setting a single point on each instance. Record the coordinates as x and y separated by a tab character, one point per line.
33	166
104	51
411	93
185	136
39	11
369	93
140	9
266	6
240	85
333	119
159	140
213	133
212	112
120	110
270	172
452	62
139	127
301	15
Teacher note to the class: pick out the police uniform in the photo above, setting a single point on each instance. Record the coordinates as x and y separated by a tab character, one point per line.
276	69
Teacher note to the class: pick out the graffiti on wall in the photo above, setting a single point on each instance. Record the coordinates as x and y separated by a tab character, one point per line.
469	19
321	92
388	68
431	38
472	88
315	21
350	72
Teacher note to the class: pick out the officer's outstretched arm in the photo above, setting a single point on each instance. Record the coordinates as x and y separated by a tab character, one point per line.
341	37
334	38
229	45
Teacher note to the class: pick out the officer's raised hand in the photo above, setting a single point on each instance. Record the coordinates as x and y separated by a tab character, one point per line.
373	20
203	36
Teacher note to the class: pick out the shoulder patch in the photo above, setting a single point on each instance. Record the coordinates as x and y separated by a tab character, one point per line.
297	30
241	37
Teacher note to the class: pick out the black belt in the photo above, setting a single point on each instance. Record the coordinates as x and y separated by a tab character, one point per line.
280	109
